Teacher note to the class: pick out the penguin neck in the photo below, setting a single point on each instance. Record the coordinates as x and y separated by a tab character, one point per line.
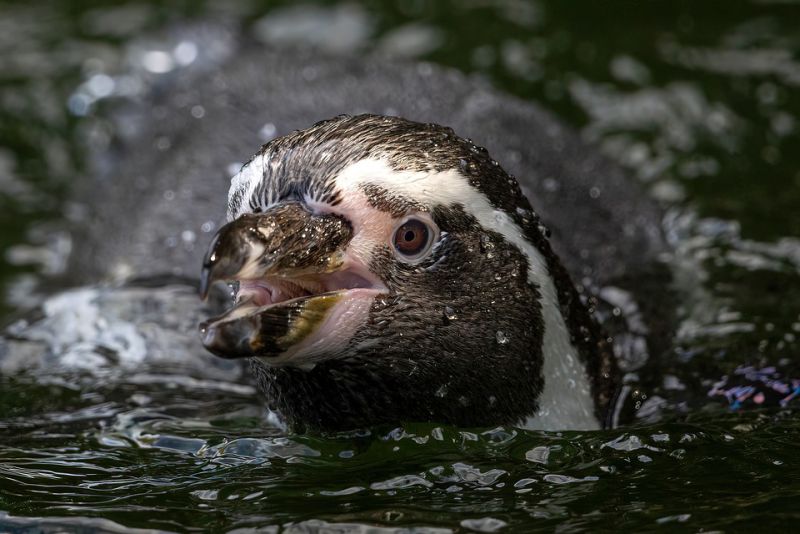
566	401
579	370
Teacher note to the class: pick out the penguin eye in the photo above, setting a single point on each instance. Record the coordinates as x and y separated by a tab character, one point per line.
413	239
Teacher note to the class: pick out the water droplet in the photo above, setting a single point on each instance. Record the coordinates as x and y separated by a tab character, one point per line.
501	337
79	104
550	184
163	143
544	230
487	246
450	314
157	61
100	85
267	132
185	53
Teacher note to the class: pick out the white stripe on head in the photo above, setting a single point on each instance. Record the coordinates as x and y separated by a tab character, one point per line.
566	401
246	181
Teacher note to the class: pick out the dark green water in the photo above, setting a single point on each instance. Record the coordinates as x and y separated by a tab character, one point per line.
700	100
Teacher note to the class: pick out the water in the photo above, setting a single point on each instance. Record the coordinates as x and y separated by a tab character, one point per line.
147	459
699	101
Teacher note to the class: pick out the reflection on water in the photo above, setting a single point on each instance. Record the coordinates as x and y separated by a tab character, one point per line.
148	457
699	105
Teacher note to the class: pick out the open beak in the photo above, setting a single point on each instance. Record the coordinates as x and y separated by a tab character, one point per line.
295	278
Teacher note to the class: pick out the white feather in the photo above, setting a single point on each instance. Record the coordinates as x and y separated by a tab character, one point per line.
247	180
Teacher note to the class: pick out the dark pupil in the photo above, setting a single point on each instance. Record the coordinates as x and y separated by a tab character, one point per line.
411	238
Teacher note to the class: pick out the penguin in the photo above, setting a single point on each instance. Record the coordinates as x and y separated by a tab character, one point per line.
388	270
153	201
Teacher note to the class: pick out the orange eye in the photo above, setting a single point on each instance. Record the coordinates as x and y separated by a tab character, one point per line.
412	238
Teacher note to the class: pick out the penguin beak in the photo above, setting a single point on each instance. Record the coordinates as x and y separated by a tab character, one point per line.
295	278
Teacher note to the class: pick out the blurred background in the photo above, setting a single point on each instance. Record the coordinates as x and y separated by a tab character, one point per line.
699	101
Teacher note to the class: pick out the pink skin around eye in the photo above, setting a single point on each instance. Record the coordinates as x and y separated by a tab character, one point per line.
371	227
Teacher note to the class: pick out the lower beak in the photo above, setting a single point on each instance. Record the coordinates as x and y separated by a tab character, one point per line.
289	264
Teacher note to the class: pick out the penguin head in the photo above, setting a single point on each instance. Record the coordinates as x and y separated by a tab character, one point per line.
386	270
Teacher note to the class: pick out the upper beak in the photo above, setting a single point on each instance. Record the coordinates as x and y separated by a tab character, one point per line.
285	241
282	259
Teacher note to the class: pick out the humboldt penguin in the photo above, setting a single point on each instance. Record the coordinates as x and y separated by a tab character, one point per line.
406	277
387	270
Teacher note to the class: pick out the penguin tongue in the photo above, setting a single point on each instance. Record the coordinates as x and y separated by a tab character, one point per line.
264	293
